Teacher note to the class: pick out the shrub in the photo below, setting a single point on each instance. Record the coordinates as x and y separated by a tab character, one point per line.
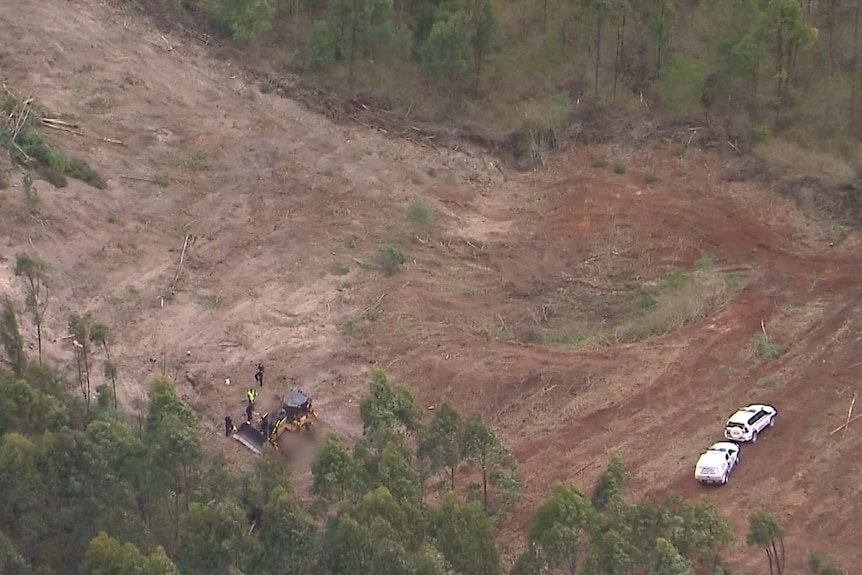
766	348
619	168
419	213
391	260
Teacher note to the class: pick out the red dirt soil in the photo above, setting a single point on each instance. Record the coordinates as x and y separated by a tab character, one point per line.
282	203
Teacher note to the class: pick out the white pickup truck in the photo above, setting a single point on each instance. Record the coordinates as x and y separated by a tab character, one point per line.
716	463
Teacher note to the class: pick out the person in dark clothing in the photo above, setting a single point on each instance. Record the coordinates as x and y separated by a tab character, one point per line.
264	427
228	425
249	410
258	377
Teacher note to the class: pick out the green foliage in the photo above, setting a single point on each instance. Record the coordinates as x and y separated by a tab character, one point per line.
333	470
446	52
10	338
211	538
388	409
390	259
320	49
465	536
704	262
766	532
107	556
619	168
611	485
246	19
765	347
821	565
11	562
57	165
116	497
680	86
442	442
501	485
419	213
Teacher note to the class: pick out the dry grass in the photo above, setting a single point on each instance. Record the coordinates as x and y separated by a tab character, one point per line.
786	160
701	294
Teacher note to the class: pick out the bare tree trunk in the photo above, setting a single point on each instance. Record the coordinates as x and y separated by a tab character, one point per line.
779	62
39	339
545	22
618	57
485	486
355	18
855	66
598	52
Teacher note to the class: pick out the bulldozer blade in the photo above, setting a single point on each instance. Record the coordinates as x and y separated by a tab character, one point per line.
250	437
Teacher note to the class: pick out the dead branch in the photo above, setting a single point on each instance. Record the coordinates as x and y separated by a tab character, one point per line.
376	304
584	467
843	425
503	324
136	178
59	122
56	124
849	415
732	145
180	265
763	328
63	129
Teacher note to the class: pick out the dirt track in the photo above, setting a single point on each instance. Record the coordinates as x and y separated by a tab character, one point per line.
278	199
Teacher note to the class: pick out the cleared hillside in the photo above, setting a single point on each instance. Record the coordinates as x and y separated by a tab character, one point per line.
548	301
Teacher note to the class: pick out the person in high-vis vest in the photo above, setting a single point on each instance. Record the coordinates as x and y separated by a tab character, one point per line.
249	410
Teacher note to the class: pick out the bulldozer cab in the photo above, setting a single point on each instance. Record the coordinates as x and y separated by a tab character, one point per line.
296	404
294	414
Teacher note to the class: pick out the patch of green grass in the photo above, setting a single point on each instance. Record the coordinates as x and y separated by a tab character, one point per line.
679	152
561	338
355	327
340	268
390	260
113	219
619	168
647	302
419	213
161	180
417	181
54	164
765	347
432	173
767	382
328	172
210	302
267	88
704	262
650	178
600	163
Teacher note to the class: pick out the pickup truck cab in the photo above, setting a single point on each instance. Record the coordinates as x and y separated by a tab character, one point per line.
716	463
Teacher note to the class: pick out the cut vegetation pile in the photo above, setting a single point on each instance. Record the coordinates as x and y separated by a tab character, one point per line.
28	149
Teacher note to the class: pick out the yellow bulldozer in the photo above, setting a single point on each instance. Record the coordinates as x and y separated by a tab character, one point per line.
294	414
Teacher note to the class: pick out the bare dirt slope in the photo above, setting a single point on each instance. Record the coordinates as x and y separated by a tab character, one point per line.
287	212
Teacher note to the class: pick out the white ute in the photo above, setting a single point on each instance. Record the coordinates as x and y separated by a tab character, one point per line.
717	462
747	422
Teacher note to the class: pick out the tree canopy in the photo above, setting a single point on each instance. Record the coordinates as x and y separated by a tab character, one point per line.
101	494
